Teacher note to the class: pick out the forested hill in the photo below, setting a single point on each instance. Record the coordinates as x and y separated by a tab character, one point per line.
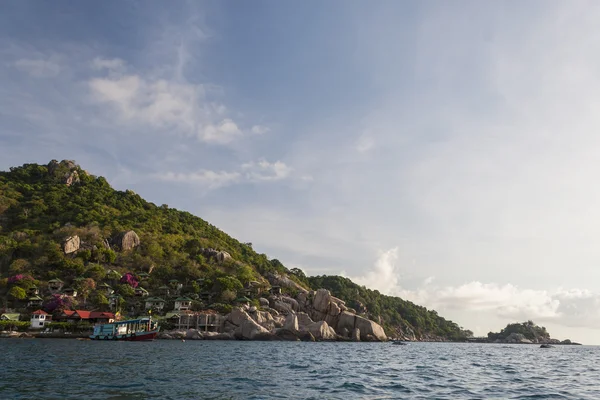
58	221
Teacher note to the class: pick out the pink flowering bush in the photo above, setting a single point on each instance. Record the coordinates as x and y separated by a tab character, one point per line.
129	279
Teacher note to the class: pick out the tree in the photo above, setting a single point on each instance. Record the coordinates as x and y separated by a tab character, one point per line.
85	287
17	293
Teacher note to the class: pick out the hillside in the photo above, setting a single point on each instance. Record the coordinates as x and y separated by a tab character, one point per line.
59	223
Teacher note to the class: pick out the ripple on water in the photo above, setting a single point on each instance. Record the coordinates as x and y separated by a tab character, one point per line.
262	370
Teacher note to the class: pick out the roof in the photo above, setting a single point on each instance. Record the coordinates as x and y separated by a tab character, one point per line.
83	314
55	280
139	288
242	299
183	299
154	299
68	313
40	312
164	288
101	314
172	314
105	285
35	298
174	280
10	316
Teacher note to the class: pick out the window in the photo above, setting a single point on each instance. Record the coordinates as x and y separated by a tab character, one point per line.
41	324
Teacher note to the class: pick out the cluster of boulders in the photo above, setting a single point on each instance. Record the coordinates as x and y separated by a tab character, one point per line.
123	241
219	256
311	316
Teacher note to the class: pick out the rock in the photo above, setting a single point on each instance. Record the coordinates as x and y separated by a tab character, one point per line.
366	327
321	300
220	256
291	302
126	240
266	337
356	335
516	338
263	302
220	336
305	336
321	331
282	307
71	178
237	316
303	320
286	334
291	322
71	244
345	333
164	335
193	334
276	279
249	329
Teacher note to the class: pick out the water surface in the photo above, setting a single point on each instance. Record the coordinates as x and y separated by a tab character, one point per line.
71	369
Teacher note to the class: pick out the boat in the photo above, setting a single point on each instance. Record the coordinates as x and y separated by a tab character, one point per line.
130	330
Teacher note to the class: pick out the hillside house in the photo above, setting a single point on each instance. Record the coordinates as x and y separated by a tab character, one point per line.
105	287
183	304
34	301
10	317
39	319
154	303
140	292
55	285
70	292
33	291
113	301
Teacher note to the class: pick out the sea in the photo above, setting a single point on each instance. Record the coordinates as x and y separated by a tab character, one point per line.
72	369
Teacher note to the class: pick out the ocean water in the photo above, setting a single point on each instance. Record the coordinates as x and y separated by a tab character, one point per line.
71	369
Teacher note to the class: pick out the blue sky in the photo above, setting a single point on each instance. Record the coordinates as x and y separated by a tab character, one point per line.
443	152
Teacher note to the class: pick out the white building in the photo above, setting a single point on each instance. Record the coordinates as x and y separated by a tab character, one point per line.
182	304
39	319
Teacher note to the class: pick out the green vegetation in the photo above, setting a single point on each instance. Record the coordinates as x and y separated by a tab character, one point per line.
42	206
528	329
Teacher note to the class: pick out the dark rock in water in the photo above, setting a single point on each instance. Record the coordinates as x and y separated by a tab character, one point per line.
546	346
285	334
399	342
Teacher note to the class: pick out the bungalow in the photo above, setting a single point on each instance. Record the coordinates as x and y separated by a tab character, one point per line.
113	301
34	301
33	291
143	276
10	317
73	316
70	292
39	319
55	285
105	287
99	317
155	302
165	290
252	288
140	292
183	303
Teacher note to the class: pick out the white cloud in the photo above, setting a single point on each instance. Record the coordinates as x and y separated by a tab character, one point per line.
164	104
259	129
222	133
113	64
508	302
211	179
38	68
252	172
262	170
384	276
364	143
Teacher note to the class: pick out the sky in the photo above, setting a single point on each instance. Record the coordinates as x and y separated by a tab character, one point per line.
443	152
